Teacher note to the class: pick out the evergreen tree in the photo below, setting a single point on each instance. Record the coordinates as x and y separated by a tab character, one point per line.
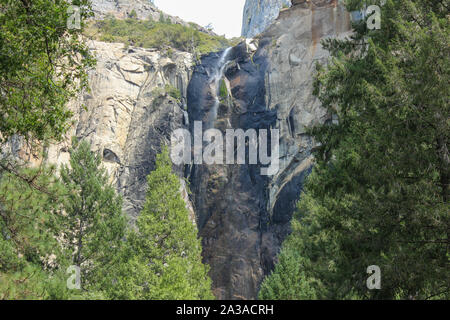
94	225
43	64
380	188
289	281
163	257
31	258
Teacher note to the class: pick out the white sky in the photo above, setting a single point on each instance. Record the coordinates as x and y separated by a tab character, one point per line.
224	15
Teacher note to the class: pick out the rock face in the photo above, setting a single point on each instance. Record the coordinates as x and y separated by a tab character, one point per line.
259	14
127	115
122	8
243	217
144	9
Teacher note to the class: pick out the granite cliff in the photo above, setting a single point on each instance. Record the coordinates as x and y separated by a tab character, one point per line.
243	217
259	14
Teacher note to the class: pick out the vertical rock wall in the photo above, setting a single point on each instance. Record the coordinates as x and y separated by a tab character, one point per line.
243	217
127	115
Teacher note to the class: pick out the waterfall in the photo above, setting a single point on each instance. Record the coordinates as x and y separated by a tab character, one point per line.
216	78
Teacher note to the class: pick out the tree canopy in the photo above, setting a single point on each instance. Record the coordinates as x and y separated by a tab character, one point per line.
379	191
163	260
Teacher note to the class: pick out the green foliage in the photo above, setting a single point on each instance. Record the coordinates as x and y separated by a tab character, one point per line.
29	225
159	94
48	224
223	91
163	257
162	18
150	34
173	92
289	281
42	65
35	239
307	262
133	14
94	225
380	188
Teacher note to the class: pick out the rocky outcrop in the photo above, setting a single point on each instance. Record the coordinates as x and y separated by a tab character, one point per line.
144	10
122	9
127	115
259	14
243	217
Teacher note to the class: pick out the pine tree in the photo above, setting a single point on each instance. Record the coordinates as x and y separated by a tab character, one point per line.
35	88
94	225
163	260
379	191
30	219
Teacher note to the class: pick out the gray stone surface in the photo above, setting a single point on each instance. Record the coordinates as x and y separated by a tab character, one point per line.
145	9
259	14
243	217
125	118
122	8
